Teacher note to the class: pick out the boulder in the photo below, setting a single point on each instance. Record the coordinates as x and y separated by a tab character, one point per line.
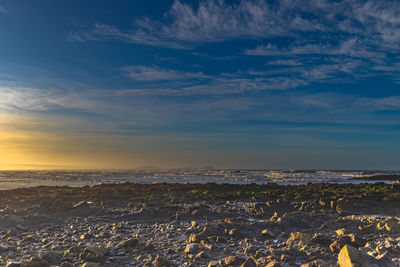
351	257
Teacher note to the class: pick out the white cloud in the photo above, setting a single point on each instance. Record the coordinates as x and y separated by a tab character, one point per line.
328	39
213	21
155	73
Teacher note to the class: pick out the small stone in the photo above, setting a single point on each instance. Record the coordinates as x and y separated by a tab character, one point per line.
191	248
234	261
273	264
82	204
162	262
129	243
91	264
201	255
249	263
298	239
59	206
11	263
35	262
339	243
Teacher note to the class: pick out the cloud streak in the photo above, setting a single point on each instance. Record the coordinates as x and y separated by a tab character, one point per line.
155	73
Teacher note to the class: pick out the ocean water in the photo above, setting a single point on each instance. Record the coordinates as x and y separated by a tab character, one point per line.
29	178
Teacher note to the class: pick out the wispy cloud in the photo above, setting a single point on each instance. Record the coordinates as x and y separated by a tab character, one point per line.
332	38
3	10
155	73
214	21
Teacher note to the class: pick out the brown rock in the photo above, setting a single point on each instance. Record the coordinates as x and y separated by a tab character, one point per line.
233	261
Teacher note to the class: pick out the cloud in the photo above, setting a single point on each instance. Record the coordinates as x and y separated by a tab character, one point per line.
347	103
155	73
362	35
214	21
3	10
380	104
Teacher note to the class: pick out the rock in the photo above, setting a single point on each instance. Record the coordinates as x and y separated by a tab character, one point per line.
268	233
196	238
211	230
298	239
162	262
129	243
11	263
341	231
350	256
97	250
339	243
85	236
273	264
30	239
59	206
91	264
201	255
53	258
249	263
234	261
390	225
3	248
66	264
82	204
235	233
35	262
321	239
214	264
191	248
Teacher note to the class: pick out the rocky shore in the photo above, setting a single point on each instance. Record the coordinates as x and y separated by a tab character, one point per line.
201	225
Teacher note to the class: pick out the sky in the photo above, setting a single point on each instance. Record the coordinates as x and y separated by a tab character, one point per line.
230	84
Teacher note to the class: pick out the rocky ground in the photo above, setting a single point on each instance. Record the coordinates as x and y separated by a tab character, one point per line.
201	225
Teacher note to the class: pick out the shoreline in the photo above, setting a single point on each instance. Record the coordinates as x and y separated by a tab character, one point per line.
132	224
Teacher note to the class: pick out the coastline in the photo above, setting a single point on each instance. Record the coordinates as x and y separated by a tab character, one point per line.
210	224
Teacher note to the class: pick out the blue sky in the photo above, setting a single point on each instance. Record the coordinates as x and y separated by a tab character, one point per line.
246	84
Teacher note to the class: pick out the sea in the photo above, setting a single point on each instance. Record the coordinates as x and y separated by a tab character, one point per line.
30	178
